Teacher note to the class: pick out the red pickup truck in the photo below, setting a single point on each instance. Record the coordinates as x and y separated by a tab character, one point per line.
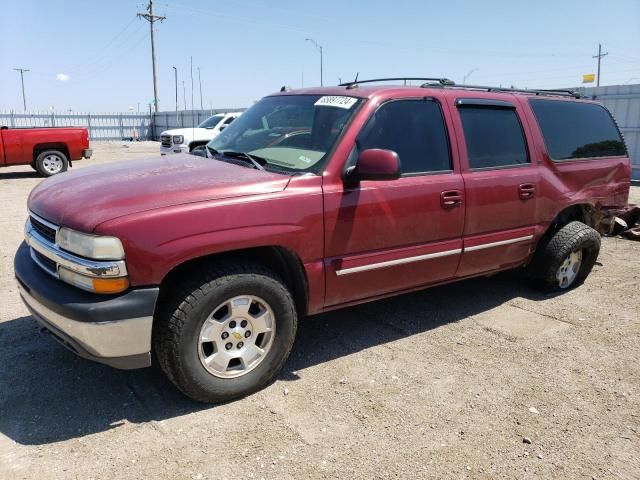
314	200
48	150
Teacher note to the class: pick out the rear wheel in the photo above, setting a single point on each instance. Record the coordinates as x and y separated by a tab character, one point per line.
51	162
566	259
227	334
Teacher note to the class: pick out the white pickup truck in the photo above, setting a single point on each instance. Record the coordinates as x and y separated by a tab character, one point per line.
181	140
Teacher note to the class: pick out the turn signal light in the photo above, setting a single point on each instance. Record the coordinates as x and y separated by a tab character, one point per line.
110	285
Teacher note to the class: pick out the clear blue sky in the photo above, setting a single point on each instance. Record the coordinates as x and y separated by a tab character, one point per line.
249	48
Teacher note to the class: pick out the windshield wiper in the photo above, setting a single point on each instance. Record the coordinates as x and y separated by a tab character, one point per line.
212	150
257	162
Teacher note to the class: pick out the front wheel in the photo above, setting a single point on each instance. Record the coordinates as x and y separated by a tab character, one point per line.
227	334
566	259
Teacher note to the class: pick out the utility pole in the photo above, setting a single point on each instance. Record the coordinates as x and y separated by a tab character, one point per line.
200	82
175	75
151	18
191	60
24	99
319	47
184	95
599	57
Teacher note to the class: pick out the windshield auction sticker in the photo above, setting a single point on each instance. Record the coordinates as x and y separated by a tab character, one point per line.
336	101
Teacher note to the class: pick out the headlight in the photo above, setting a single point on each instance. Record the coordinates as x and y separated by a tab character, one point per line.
178	139
90	246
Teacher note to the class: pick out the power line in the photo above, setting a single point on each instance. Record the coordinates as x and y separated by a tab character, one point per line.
115	58
151	18
24	98
599	57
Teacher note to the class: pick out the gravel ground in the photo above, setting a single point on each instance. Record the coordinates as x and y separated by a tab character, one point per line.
482	379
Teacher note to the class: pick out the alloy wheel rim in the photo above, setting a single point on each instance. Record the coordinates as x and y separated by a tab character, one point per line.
237	336
569	269
52	164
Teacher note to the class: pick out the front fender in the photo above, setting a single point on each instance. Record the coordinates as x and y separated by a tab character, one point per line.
156	242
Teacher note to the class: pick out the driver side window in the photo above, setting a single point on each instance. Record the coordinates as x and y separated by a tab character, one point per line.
415	130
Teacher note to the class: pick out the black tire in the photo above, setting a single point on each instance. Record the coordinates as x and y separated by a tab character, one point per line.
33	165
44	159
185	309
552	253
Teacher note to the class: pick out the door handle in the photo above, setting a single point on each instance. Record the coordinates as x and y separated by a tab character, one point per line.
450	199
526	190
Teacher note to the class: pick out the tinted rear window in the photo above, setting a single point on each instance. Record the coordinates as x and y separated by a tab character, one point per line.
577	130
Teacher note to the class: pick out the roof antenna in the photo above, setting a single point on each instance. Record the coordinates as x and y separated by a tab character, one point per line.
354	84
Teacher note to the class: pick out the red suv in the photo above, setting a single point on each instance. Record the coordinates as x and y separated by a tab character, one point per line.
310	201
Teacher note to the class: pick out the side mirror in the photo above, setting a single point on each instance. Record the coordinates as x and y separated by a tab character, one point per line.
199	151
375	164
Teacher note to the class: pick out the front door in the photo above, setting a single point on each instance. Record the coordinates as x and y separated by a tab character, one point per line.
389	236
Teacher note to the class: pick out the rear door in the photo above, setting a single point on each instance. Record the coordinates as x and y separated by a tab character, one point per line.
501	183
388	236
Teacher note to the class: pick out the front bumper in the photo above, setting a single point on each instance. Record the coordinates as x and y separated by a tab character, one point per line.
110	329
173	149
87	152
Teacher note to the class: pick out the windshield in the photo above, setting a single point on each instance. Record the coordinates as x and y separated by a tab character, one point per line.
211	122
290	132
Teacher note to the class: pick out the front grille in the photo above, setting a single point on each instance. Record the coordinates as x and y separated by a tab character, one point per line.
46	263
44	230
165	140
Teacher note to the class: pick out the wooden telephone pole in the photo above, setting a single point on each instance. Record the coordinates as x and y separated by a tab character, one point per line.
24	98
599	57
151	18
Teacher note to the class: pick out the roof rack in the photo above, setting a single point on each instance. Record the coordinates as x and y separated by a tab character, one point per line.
445	82
559	92
439	81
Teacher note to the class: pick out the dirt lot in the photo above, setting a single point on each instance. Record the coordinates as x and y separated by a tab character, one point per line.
444	383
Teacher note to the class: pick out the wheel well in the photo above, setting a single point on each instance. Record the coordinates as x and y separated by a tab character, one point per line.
282	261
197	143
584	213
41	147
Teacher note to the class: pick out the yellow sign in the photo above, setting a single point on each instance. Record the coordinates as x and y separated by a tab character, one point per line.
589	78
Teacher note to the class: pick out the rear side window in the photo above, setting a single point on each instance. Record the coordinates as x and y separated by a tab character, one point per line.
493	136
577	130
415	130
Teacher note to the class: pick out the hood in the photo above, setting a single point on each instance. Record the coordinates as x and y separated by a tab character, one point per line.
189	132
90	196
